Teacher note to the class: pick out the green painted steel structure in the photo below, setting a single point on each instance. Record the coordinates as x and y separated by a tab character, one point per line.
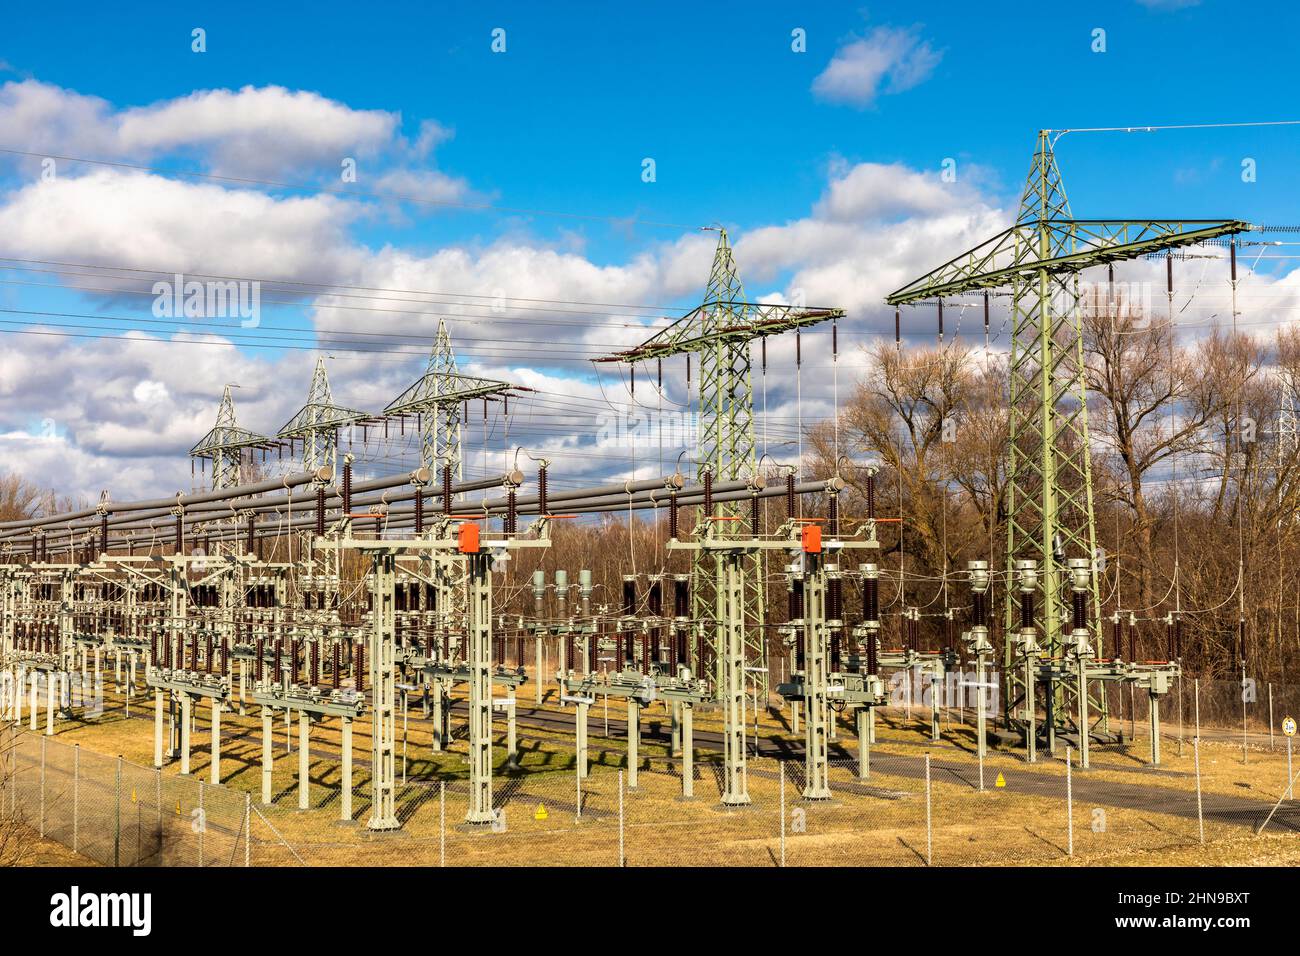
1050	510
720	331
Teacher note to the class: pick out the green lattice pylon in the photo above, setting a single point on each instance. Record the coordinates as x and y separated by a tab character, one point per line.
317	423
437	397
1050	514
720	331
225	442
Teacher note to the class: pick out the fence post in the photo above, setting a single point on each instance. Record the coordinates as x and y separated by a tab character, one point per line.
248	829
117	813
781	769
929	834
157	776
1069	800
76	795
1196	753
442	821
43	741
620	818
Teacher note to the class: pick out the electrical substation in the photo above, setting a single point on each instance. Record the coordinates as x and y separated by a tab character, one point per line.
328	601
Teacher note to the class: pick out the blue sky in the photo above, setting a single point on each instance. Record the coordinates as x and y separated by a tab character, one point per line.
713	92
742	130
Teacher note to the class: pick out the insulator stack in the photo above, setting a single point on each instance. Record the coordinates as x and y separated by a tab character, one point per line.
359	661
207	652
542	508
1169	640
833	516
913	638
708	493
512	511
314	675
1026	610
1178	638
180	534
1241	641
673	516
871	497
103	534
1132	642
225	655
979	609
320	511
347	487
446	489
789	497
334	674
279	662
871	598
753	514
1079	604
257	661
1117	635
252	537
568	652
592	651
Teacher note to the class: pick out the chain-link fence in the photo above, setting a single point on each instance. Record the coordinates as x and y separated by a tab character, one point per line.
926	808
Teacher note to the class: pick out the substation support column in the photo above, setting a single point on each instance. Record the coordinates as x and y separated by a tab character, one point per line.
51	691
688	748
480	688
268	754
158	727
383	689
731	642
187	705
1153	705
34	702
863	719
817	639
581	735
345	796
304	760
633	740
216	741
1081	593
1027	570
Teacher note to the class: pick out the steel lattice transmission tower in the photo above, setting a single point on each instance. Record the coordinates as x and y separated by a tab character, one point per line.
1050	516
318	422
437	397
223	446
720	330
1288	432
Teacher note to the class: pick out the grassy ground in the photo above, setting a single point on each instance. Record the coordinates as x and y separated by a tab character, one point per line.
880	822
